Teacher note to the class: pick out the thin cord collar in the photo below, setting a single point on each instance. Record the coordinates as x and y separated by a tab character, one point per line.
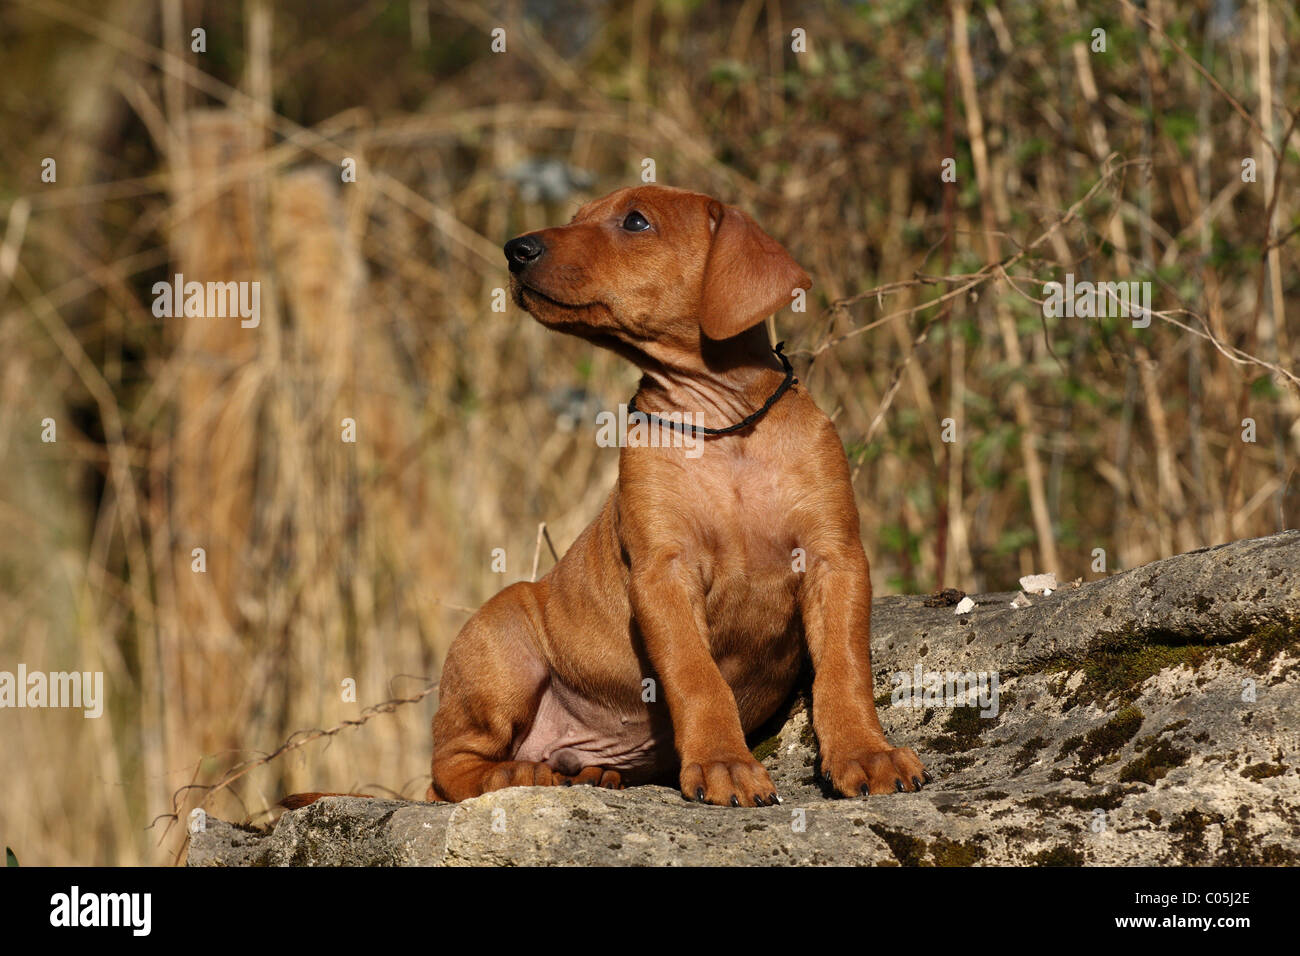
745	422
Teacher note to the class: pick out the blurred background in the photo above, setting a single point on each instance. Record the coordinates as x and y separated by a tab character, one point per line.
328	561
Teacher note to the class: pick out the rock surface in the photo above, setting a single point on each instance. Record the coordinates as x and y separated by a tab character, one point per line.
1152	717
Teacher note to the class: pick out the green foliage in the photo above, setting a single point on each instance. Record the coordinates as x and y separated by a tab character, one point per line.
1011	540
1265	388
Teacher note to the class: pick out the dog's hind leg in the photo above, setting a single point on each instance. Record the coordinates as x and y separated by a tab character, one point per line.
492	682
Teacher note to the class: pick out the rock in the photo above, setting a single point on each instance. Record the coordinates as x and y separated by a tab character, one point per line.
1038	583
1152	717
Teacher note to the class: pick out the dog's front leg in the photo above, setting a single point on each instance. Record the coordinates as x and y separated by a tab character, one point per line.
716	766
835	599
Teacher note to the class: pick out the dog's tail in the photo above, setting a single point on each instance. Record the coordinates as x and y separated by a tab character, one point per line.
296	801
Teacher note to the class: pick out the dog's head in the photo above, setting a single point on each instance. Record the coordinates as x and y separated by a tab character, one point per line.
653	271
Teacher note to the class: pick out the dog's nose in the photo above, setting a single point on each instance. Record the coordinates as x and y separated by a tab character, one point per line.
523	250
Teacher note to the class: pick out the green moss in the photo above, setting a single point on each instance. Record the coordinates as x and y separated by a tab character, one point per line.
1111	736
913	851
1238	846
1118	665
766	748
1261	771
1027	753
808	737
907	849
1057	856
1107	800
964	725
765	740
1069	745
963	729
1267	643
1190	826
1154	764
1119	670
952	853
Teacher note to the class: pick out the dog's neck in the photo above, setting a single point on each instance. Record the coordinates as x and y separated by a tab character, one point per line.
721	383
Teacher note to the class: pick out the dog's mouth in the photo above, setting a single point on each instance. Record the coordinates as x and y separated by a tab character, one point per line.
522	290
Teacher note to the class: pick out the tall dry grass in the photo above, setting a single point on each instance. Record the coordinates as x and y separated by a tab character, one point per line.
329	561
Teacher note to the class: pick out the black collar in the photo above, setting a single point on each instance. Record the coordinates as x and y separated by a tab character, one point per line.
741	425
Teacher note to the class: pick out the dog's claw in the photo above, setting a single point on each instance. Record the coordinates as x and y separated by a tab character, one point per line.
865	789
898	786
759	801
735	800
699	794
773	799
925	775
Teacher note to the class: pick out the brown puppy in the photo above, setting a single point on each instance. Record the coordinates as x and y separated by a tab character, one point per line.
676	623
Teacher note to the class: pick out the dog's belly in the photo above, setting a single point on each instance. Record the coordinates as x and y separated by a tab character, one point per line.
591	712
756	643
570	732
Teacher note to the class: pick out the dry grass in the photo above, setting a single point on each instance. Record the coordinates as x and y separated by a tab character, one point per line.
328	561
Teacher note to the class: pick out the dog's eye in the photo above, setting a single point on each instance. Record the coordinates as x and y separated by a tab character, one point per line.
635	222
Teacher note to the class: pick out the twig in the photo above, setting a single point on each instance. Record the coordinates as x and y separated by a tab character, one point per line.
1209	77
971	280
537	551
299	738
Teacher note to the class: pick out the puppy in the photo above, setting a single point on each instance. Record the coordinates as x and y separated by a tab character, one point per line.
677	622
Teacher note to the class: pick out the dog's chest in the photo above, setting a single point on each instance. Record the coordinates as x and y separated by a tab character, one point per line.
747	504
753	561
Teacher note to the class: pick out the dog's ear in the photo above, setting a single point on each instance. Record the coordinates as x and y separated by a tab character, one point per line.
747	277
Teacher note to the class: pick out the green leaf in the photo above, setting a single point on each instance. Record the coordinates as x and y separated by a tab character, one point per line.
10	858
1264	387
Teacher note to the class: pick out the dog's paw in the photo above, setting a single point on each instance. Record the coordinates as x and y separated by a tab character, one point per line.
737	782
891	770
518	773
